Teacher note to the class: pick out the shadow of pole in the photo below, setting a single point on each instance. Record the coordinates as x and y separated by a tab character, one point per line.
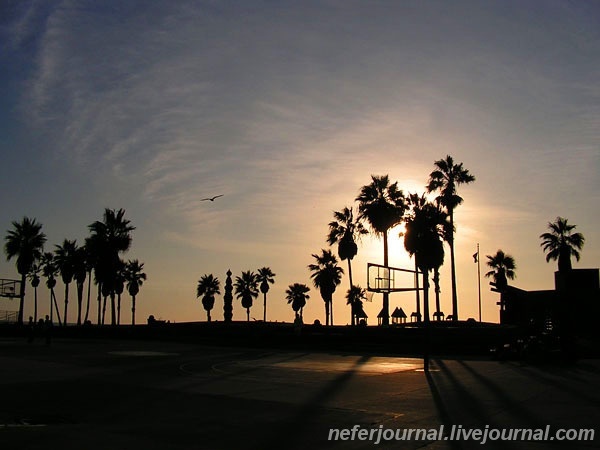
296	425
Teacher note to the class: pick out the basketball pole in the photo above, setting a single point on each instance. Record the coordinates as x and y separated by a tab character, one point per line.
479	279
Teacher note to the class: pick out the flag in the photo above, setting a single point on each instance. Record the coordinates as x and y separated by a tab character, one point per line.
475	257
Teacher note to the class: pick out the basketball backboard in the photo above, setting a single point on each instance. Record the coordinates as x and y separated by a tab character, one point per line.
390	279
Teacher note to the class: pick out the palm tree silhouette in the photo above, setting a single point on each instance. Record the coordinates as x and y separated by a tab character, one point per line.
246	289
24	241
65	258
445	179
109	238
426	227
382	205
50	271
561	243
134	277
34	279
80	273
326	276
503	266
119	287
354	297
296	295
208	287
265	277
345	231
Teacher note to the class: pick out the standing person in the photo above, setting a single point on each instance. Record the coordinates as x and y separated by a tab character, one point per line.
30	330
48	330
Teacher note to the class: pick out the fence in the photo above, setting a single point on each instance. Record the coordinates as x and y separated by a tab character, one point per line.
9	316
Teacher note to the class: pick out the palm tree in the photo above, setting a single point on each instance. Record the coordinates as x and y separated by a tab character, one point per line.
354	297
80	273
208	287
344	231
265	277
503	267
109	238
34	279
65	255
50	271
446	177
134	278
25	242
561	243
383	205
246	289
296	295
326	276
416	201
426	228
119	287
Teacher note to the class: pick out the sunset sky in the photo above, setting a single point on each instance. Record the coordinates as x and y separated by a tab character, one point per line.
287	108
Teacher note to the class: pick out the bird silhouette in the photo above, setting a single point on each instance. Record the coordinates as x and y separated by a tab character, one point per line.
212	199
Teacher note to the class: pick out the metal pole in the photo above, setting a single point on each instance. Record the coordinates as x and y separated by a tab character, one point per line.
479	279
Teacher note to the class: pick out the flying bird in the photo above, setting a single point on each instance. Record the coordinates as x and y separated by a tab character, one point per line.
212	199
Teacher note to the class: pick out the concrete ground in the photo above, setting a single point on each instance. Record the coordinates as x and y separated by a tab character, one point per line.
81	394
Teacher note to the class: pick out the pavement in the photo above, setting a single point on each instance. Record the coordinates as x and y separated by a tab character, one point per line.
119	394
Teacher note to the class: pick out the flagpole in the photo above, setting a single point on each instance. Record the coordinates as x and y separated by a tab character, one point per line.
479	280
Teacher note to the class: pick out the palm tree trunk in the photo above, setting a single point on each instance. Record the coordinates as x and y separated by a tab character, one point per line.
118	309
53	297
87	307
418	310
66	302
265	307
79	302
436	282
133	310
104	310
352	318
453	268
22	300
113	315
35	305
99	300
331	311
426	297
248	314
208	316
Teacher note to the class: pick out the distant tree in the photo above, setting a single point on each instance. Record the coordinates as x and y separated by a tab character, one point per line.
25	242
246	289
296	295
134	277
354	297
34	279
108	239
382	205
344	231
425	230
64	258
561	243
50	271
265	277
208	287
503	267
228	298
326	276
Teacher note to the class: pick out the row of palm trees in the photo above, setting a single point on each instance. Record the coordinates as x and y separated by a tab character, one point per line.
100	255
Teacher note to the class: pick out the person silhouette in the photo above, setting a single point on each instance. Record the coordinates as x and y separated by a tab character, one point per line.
30	330
48	330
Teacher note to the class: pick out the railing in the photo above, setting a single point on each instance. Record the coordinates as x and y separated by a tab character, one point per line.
8	316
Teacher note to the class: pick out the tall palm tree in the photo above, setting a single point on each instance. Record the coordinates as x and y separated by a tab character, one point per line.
382	205
326	276
416	201
296	295
80	274
344	231
246	289
24	241
503	267
134	278
265	277
446	177
65	255
354	297
50	271
109	238
208	287
561	243
34	279
426	228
